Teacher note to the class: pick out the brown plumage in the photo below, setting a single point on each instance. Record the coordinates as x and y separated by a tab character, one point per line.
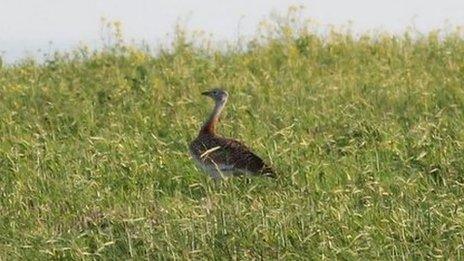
221	156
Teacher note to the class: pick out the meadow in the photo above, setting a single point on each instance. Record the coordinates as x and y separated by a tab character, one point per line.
365	132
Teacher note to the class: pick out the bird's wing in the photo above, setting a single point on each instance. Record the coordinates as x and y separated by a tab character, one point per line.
234	155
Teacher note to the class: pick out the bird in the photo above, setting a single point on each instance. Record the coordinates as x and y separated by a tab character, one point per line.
223	157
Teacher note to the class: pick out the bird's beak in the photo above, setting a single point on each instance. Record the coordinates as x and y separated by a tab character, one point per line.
206	93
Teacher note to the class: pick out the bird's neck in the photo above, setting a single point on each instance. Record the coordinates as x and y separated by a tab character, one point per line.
210	125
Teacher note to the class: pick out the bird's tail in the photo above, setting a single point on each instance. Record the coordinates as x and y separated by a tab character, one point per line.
268	172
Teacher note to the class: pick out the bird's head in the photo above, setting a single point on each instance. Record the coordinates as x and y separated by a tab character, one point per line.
217	95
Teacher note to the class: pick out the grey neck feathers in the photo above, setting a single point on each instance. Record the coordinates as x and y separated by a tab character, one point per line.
210	124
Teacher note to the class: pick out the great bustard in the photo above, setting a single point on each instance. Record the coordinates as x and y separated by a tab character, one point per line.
221	156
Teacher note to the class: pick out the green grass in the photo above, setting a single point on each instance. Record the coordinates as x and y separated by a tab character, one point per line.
366	134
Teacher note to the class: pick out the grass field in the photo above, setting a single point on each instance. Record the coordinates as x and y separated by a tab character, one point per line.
366	134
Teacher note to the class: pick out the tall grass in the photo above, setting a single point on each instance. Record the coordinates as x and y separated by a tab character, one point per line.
365	132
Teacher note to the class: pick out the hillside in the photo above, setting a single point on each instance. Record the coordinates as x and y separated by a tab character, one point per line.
366	134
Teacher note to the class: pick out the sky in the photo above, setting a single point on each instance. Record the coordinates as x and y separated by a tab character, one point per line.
27	26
